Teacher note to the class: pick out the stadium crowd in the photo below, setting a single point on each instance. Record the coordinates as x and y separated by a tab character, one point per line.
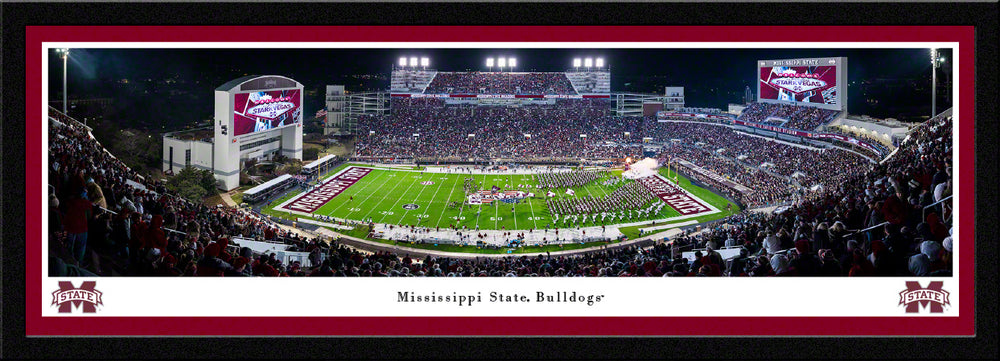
865	221
872	223
793	116
500	83
765	188
741	157
104	218
818	237
429	129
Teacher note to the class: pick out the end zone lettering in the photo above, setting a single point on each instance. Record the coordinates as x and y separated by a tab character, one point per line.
673	195
316	198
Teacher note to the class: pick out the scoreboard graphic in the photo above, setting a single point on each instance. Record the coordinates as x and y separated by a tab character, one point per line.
266	110
815	82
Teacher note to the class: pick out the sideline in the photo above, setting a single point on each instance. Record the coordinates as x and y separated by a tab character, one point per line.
372	246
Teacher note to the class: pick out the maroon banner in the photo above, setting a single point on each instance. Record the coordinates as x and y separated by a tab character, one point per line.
800	133
675	197
691	115
499	96
316	198
775	129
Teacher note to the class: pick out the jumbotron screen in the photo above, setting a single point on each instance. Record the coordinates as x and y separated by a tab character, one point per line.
266	110
816	82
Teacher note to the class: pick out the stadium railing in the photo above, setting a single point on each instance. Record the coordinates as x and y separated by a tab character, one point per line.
868	240
164	228
929	206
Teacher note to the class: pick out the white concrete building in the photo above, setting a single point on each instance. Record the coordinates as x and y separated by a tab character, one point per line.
256	117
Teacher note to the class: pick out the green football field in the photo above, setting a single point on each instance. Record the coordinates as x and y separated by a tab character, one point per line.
389	196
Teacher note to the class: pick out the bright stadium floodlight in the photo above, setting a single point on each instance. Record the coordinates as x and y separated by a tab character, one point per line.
936	61
599	63
489	63
413	61
577	62
513	62
588	62
502	62
402	62
424	62
64	54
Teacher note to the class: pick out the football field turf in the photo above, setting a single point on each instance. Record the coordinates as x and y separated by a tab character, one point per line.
427	199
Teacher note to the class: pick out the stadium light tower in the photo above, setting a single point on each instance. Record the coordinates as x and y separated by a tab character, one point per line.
64	53
424	62
489	63
512	62
577	62
501	62
402	62
599	63
936	60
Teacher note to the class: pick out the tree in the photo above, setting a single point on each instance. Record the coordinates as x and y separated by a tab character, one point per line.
191	191
310	153
293	166
311	127
208	182
193	184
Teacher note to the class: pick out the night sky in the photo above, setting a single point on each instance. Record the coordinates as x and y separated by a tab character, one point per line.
711	77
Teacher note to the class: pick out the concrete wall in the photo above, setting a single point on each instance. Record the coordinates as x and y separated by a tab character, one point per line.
201	154
226	150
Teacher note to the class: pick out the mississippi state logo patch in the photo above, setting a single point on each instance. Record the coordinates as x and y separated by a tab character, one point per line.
916	297
410	206
68	297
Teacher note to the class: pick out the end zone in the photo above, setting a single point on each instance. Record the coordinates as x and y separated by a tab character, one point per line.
308	202
676	197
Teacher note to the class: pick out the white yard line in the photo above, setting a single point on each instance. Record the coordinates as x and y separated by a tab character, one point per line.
513	206
366	199
532	208
480	211
367	184
373	208
418	197
603	186
412	182
440	217
496	218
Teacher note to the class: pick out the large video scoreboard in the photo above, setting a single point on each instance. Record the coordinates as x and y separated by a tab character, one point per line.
818	82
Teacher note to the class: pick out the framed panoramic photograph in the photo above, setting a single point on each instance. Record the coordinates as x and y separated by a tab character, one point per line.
500	181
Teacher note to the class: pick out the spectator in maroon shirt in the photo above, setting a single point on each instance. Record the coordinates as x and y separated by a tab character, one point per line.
210	264
78	213
895	208
155	236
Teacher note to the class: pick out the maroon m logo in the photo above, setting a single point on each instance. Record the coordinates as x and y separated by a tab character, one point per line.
68	297
915	297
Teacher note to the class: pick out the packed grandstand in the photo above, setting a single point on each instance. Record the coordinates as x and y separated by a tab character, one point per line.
829	211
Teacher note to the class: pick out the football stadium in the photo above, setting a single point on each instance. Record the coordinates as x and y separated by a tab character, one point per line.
500	172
